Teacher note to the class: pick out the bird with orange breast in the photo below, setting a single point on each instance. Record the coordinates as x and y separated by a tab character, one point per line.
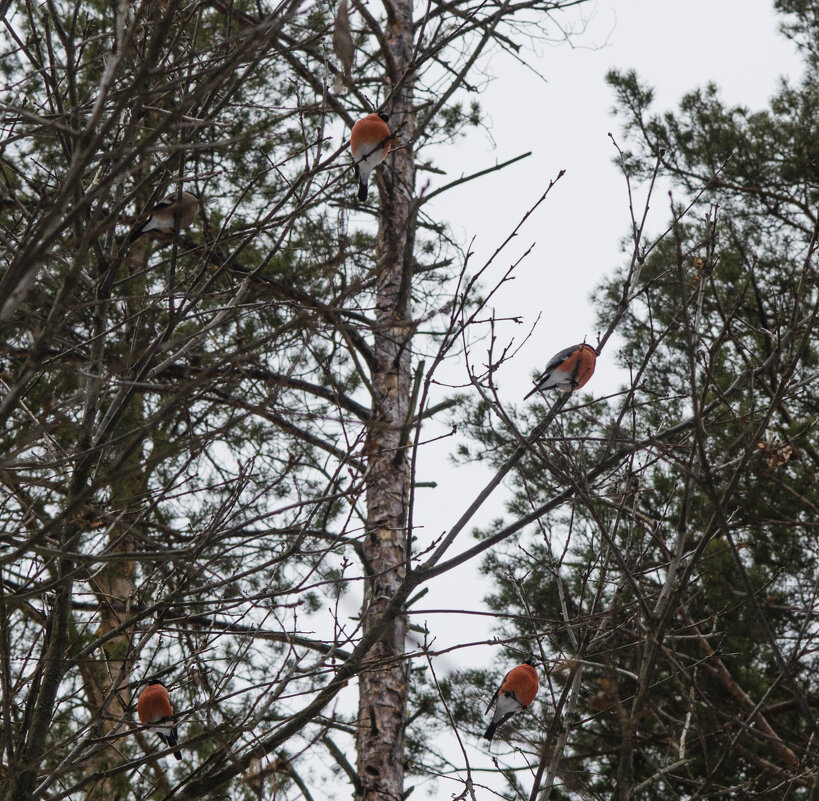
369	144
568	370
155	711
517	691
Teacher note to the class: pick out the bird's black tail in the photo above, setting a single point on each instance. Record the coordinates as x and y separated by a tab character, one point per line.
490	732
136	234
362	187
531	392
172	741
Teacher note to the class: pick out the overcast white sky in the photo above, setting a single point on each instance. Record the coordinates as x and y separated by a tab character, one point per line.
674	46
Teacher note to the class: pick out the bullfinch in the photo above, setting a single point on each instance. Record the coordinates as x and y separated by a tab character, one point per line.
369	145
517	691
172	213
155	711
568	370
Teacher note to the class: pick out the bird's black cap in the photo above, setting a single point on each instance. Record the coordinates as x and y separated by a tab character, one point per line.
155	681
529	662
384	116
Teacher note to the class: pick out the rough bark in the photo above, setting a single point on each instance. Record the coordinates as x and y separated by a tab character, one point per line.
383	684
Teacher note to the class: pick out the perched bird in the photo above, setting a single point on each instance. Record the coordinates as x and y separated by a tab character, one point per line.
155	711
369	144
568	370
518	690
172	213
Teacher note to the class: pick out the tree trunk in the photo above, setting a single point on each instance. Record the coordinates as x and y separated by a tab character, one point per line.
384	683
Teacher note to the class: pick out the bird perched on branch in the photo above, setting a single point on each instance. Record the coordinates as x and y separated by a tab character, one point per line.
568	370
517	691
369	143
171	213
155	711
